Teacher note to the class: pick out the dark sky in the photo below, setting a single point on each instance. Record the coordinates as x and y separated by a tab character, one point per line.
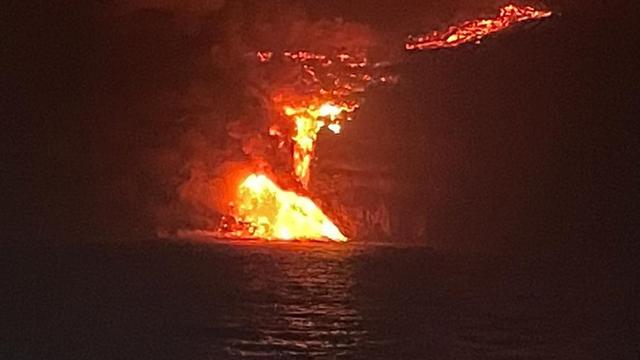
528	137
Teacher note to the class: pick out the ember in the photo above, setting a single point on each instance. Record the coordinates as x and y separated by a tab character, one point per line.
475	30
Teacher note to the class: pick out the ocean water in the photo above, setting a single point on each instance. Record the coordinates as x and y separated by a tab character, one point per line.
218	300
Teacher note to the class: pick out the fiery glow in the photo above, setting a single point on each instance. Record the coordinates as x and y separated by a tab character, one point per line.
325	93
266	211
309	120
475	30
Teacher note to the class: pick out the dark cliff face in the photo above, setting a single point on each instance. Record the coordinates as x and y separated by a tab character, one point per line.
523	141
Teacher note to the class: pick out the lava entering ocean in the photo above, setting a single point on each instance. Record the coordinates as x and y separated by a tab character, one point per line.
326	93
266	211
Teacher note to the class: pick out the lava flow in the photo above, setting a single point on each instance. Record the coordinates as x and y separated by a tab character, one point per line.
308	122
268	212
263	210
325	96
326	93
475	30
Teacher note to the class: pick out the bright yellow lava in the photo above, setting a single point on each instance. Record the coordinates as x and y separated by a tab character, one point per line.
278	214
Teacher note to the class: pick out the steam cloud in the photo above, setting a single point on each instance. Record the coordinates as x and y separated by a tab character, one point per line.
207	98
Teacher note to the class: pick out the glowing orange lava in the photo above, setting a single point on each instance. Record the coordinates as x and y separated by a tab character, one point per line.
326	94
273	213
264	210
326	97
309	121
475	30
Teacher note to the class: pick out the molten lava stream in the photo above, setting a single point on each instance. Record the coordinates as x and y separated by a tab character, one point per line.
269	212
475	30
309	120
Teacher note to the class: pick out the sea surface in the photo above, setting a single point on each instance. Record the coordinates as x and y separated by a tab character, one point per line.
218	300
